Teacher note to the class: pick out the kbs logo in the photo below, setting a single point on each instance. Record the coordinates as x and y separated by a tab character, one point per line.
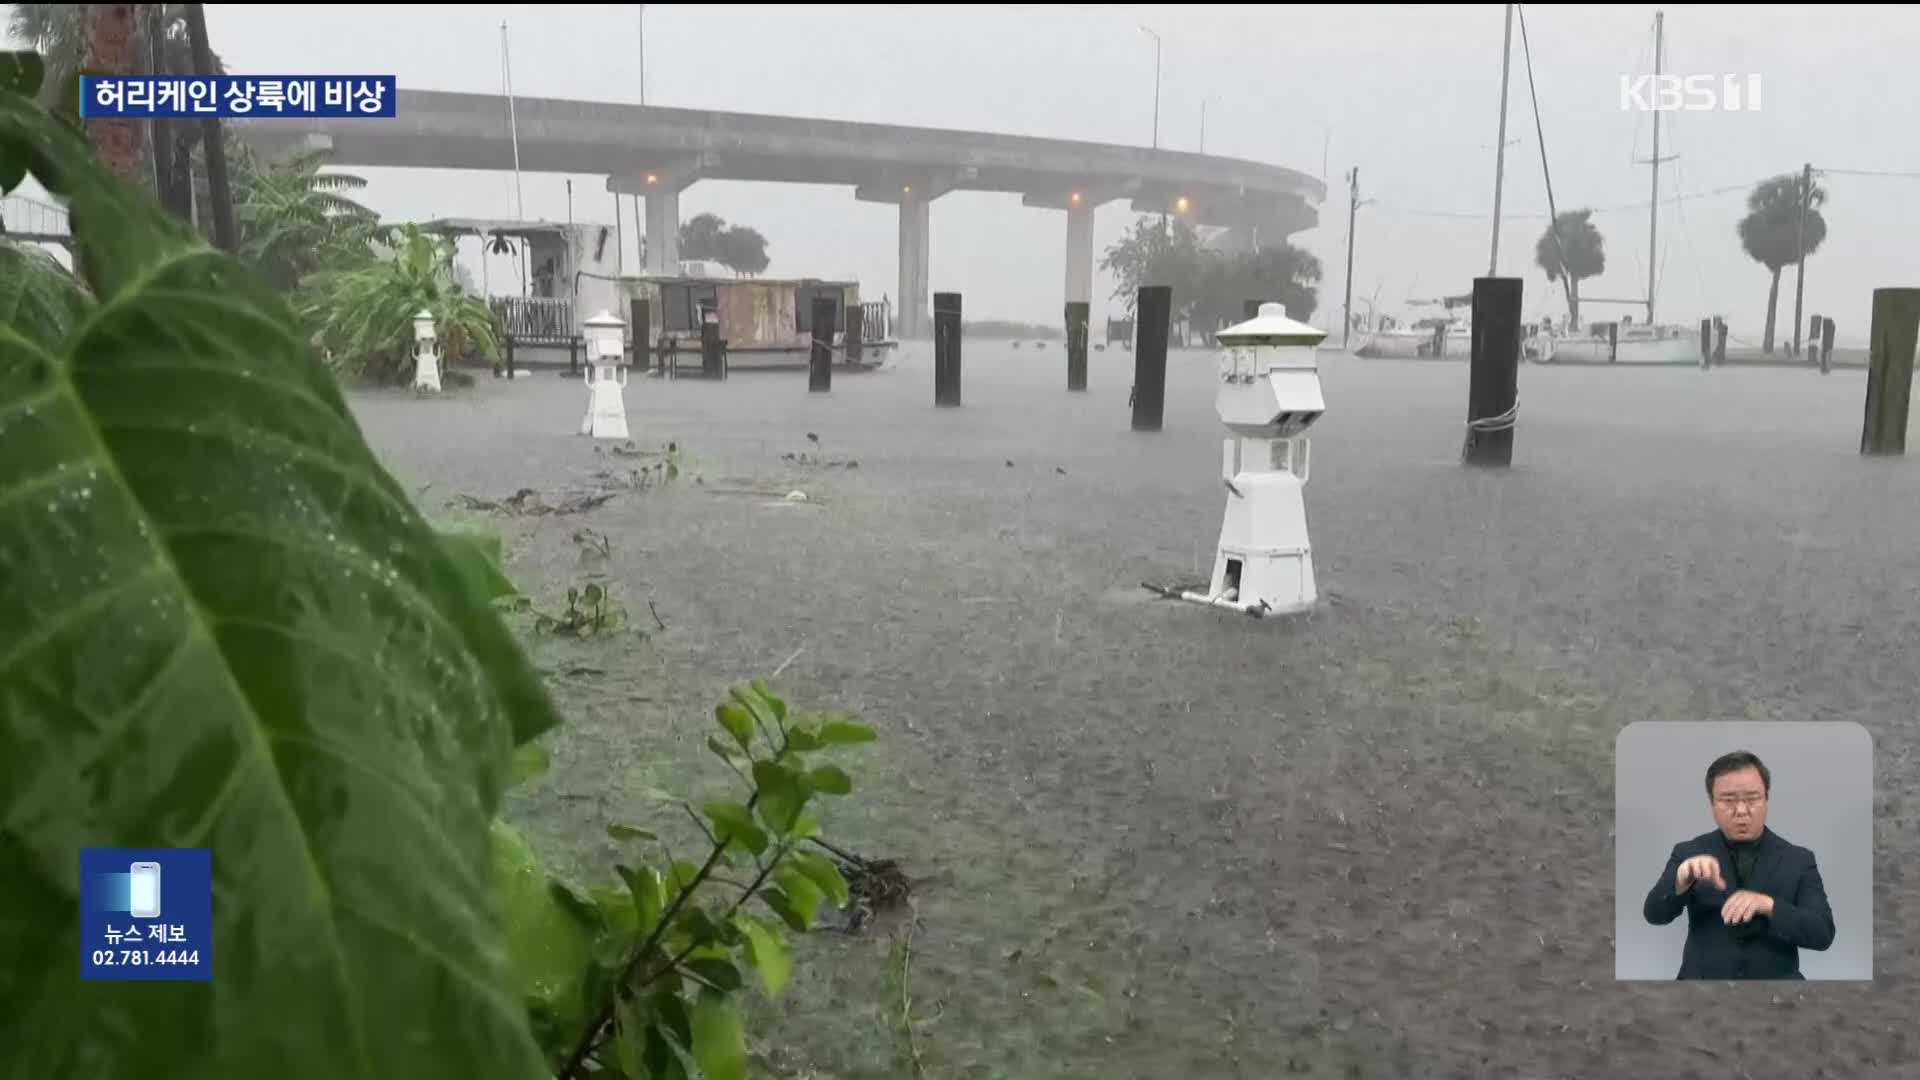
1690	93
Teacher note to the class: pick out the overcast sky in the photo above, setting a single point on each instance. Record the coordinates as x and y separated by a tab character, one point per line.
1408	94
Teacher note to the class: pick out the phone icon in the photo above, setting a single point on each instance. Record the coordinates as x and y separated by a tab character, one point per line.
143	892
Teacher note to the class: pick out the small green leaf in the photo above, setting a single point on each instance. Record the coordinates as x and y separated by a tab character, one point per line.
737	721
578	902
22	72
824	873
773	700
845	733
649	894
620	831
733	821
830	780
719	1038
671	1008
629	1038
684	875
698	925
768	950
721	973
804	826
726	751
781	904
657	1054
758	706
615	907
801	892
592	595
782	794
801	740
530	762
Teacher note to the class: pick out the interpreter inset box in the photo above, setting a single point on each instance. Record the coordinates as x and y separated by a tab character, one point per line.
1743	850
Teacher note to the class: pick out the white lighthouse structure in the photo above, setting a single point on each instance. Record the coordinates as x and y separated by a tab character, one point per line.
606	378
1269	395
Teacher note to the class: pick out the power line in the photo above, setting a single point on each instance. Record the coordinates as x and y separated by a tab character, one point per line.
1474	215
1866	172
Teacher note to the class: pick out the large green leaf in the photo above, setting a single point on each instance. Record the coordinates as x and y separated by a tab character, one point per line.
223	625
547	941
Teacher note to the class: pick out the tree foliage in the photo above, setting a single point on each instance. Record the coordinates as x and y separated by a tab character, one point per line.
1770	234
737	247
362	309
293	219
1571	248
1210	288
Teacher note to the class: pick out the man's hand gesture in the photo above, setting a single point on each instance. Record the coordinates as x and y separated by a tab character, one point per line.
1744	906
1698	868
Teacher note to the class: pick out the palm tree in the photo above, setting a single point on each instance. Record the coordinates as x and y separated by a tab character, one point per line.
293	219
363	312
1770	232
58	33
1574	249
110	44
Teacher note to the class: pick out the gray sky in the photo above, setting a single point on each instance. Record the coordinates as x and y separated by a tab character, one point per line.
1409	94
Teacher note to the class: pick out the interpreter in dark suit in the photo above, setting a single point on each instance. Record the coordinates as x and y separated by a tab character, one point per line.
1752	899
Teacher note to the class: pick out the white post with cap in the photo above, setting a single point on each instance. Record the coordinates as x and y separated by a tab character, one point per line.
606	378
426	353
1269	395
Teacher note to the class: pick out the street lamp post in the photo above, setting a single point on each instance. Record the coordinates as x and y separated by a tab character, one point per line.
1156	83
1203	123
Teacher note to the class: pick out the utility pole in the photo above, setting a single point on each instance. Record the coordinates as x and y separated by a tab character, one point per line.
643	54
1203	125
1800	274
1500	154
1353	211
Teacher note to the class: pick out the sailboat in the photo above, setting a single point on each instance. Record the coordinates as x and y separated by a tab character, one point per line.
1628	342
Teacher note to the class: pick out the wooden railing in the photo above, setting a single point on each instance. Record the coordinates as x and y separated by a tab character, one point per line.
535	320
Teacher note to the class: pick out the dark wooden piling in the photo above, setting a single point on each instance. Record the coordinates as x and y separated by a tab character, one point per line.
1826	346
820	363
854	339
1706	342
946	349
1079	312
1720	342
1153	310
640	327
1493	378
1894	334
712	363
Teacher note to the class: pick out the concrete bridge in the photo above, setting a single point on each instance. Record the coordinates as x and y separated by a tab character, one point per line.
657	153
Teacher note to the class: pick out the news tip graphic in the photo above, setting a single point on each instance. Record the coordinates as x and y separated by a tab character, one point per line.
146	914
231	96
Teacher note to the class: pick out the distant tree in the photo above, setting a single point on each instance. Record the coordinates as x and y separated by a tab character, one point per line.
1152	254
743	249
700	236
1210	289
293	219
1572	248
1770	232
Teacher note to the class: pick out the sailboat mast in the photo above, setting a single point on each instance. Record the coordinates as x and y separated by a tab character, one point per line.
1500	147
1653	204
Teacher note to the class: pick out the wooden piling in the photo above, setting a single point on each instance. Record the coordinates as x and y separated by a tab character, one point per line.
946	349
854	340
1826	346
1079	312
820	363
1894	334
1493	378
1613	342
1153	310
1706	342
1720	343
640	326
712	364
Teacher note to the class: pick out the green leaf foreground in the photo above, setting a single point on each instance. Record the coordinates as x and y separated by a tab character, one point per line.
225	625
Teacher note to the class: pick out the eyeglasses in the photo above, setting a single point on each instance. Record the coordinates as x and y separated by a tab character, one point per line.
1729	802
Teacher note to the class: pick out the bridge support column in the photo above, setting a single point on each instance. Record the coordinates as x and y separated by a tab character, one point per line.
914	236
663	232
1079	253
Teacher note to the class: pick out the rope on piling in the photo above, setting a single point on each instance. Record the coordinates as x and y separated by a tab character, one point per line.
1504	422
